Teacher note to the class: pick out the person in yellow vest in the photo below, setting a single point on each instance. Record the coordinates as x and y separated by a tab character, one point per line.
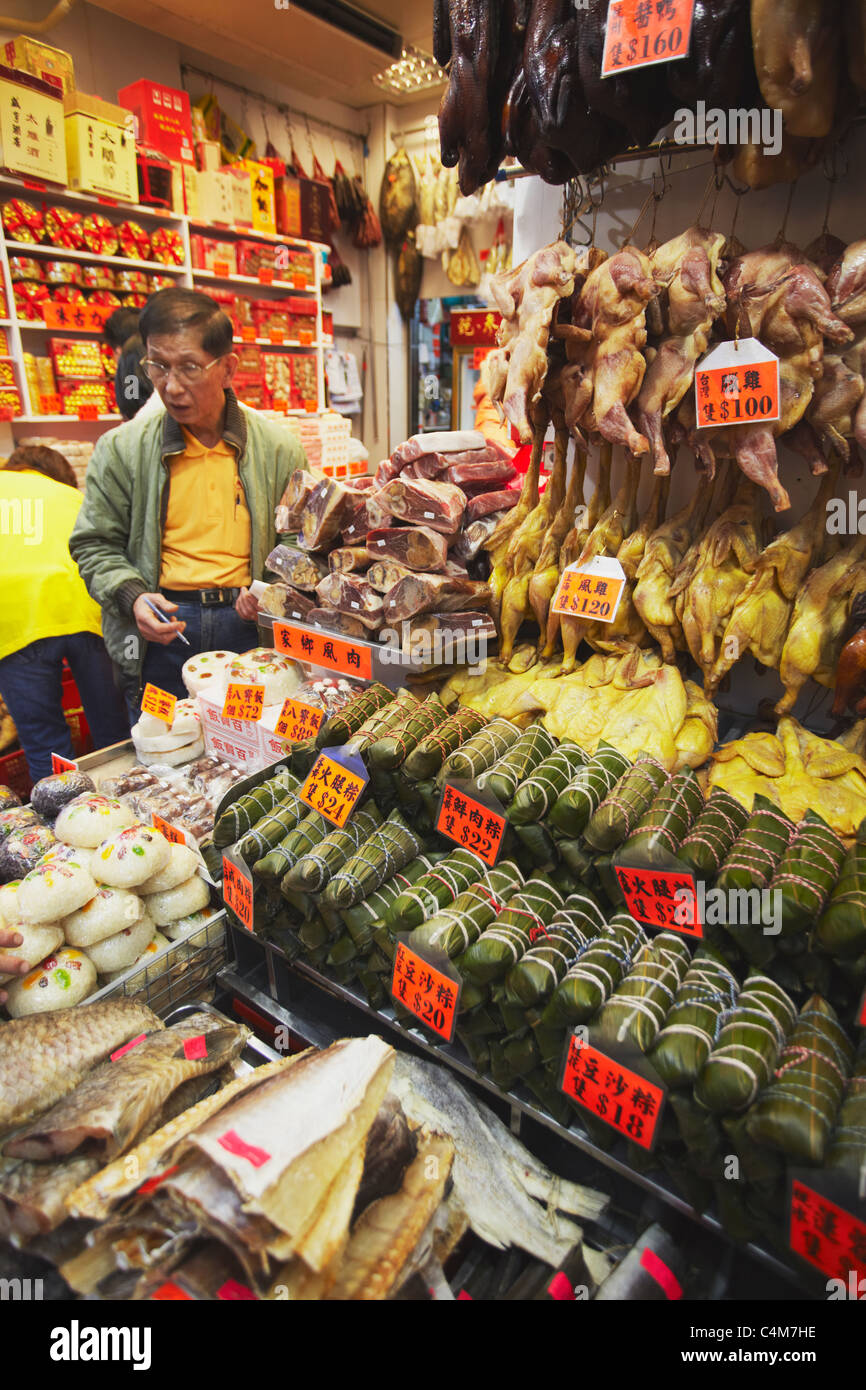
46	613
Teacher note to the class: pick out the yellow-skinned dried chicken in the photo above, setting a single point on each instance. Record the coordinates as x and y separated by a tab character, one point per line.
796	50
662	557
710	580
685	269
604	540
523	552
545	578
500	539
627	629
761	614
585	520
817	629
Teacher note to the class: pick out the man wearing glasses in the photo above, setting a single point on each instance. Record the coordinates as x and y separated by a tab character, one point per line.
179	504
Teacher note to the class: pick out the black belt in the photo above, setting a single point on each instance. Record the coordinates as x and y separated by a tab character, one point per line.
208	598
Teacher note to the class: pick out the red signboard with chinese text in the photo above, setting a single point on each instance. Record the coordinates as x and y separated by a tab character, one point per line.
320	649
159	703
425	991
238	892
827	1235
623	1099
471	824
661	899
332	789
643	32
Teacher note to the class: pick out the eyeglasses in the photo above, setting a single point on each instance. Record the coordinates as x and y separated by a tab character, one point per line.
188	373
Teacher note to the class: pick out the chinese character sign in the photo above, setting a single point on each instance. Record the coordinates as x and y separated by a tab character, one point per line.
244	702
238	892
591	592
826	1235
736	384
642	32
89	316
298	721
332	789
470	824
628	1102
159	703
172	833
661	899
423	990
59	764
320	649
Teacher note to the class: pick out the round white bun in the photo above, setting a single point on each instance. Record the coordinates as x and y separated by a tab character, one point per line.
60	982
51	891
181	866
153	947
110	911
122	950
130	857
37	942
205	674
186	898
279	674
88	820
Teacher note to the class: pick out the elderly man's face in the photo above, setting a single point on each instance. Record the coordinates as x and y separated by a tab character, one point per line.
190	382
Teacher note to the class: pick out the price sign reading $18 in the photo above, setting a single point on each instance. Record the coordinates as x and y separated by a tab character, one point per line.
639	33
244	702
298	721
593	591
661	899
332	788
238	892
425	991
470	824
159	703
625	1100
737	384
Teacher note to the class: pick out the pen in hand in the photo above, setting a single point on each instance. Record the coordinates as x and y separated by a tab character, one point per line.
163	619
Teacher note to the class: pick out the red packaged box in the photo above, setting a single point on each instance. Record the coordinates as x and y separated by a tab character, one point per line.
162	118
77	357
327	326
208	253
75	395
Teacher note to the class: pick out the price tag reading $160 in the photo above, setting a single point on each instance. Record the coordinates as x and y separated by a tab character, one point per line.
592	592
641	32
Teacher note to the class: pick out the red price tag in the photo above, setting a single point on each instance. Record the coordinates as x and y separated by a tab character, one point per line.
238	892
194	1049
478	357
744	393
50	405
169	832
280	405
6	413
423	990
170	1292
36	184
127	1047
612	1092
232	1142
829	1237
299	282
305	337
471	824
244	702
318	649
266	274
298	721
221	268
639	34
661	898
277	336
332	790
248	333
311	407
153	1183
88	412
231	1289
594	591
59	764
159	703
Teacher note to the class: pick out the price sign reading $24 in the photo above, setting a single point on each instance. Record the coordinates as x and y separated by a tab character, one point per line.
332	789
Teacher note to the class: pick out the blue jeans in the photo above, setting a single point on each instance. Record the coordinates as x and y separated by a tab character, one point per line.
31	685
207	630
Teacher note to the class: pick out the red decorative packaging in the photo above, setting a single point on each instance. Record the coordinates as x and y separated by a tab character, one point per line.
63	272
100	235
76	357
105	297
97	277
133	241
167	246
167	282
26	268
130	281
134	301
10	400
30	299
65	227
68	294
22	221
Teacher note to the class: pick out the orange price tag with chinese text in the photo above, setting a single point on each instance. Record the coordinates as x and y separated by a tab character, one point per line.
593	591
238	892
622	1098
280	405
158	703
737	384
828	1236
244	702
169	832
638	34
299	282
311	407
661	898
59	764
425	991
478	357
333	789
50	405
88	412
248	333
305	337
266	274
277	336
320	649
298	721
170	1292
221	268
470	824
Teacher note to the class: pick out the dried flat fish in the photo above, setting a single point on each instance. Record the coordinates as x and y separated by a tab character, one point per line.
32	1195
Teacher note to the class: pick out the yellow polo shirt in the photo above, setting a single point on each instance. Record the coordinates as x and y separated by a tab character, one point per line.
206	538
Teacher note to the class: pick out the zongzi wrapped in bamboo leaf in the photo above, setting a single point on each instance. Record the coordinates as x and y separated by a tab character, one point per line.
427	758
454	929
662	829
755	854
312	831
538	844
797	1111
311	873
383	721
534	797
807	872
502	944
590	784
481	751
387	851
243	814
519	762
596	973
394	746
719	823
708	991
847	1149
436	890
745	1051
368	913
337	730
618	814
272	828
842	928
641	1002
535	976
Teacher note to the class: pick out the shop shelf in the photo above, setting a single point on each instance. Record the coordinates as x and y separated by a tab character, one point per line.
53	193
59	253
63	419
266	343
284	285
248	234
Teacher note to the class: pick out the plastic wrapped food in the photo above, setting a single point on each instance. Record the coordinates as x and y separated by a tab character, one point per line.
16	818
434	464
22	850
488	504
415	547
479	473
437	442
346	593
283	601
299	490
329	508
360	524
428	593
296	567
349	559
421	501
346	624
9	799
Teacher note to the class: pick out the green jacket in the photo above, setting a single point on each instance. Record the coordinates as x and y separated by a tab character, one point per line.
117	539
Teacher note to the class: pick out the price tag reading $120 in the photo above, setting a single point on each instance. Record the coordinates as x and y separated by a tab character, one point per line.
593	591
332	788
641	32
238	892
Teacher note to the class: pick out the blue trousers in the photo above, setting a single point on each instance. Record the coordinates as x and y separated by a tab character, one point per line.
207	630
31	685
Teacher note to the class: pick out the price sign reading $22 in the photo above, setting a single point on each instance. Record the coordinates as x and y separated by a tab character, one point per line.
471	825
332	790
298	721
423	990
639	33
628	1102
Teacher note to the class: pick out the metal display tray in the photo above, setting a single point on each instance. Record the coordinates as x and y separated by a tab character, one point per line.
176	974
